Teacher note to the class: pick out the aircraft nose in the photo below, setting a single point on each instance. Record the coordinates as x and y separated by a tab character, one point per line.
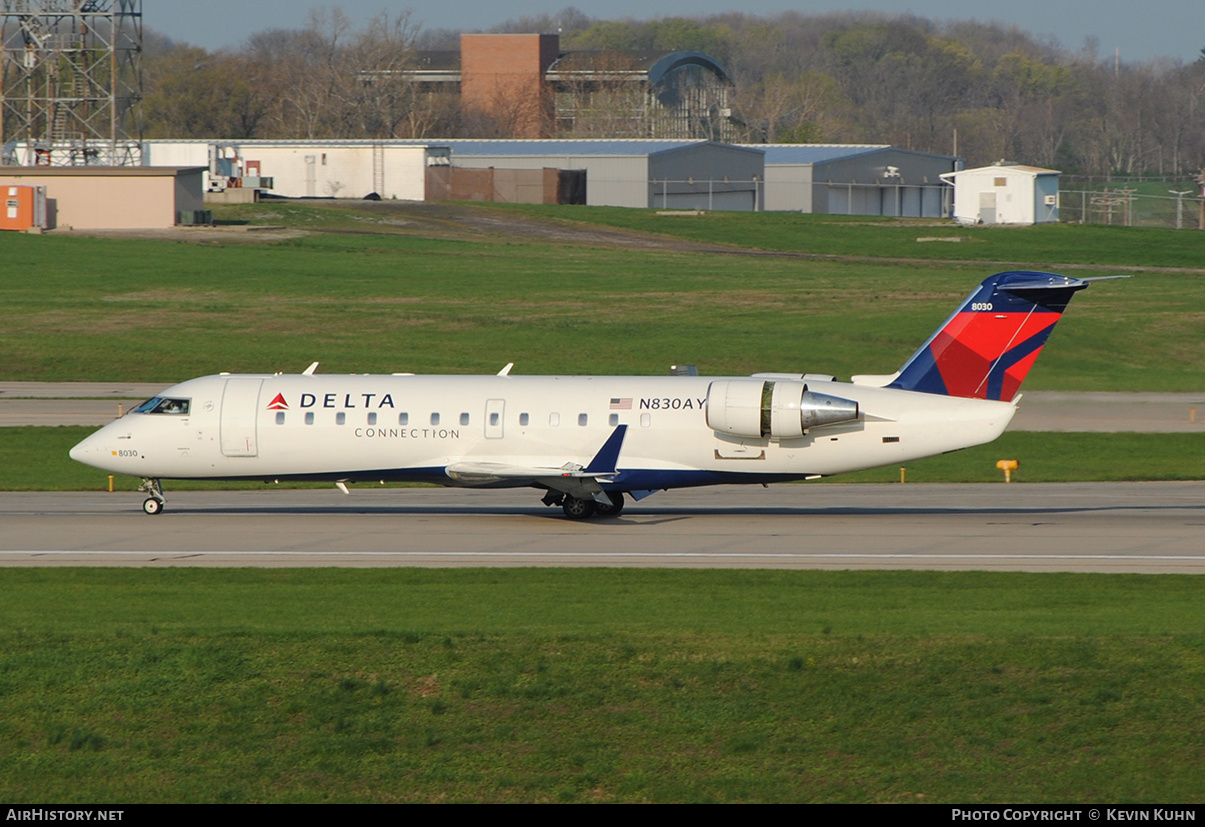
80	452
88	450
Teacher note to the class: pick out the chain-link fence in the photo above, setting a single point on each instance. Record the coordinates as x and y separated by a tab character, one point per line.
1135	205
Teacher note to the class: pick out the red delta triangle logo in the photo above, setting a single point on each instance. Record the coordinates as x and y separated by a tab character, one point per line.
279	403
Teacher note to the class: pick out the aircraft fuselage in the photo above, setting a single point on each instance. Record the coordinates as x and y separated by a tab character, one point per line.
383	427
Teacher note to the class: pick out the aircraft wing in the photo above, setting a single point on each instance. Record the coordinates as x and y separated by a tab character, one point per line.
571	478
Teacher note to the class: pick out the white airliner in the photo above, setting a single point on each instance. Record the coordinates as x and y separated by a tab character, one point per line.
589	440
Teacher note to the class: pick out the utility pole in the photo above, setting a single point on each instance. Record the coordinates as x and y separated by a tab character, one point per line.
1201	204
1179	206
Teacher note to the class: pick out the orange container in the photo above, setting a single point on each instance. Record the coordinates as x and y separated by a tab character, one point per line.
23	207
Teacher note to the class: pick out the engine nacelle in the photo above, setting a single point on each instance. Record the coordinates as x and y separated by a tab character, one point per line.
777	409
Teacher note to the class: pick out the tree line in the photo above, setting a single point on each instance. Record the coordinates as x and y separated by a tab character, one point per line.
980	90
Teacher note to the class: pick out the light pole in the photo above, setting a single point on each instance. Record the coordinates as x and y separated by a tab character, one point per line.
1179	206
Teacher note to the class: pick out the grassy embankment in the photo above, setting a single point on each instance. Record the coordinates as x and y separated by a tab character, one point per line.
1049	245
599	685
134	310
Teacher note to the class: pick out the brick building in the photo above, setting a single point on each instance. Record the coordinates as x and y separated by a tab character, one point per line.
526	87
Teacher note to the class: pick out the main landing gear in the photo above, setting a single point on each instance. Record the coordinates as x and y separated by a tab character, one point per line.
155	500
576	508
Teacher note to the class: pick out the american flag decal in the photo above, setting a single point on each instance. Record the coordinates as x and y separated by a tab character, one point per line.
624	404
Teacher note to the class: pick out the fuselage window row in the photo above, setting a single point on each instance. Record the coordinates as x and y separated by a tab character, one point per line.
495	419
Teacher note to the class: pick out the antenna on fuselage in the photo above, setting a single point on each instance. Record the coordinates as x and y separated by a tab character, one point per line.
310	370
506	370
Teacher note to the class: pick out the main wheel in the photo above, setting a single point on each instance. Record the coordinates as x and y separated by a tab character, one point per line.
152	506
611	509
576	509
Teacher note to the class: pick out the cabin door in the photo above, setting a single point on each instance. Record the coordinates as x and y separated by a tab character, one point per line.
240	407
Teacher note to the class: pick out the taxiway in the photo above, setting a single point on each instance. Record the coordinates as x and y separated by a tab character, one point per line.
1100	527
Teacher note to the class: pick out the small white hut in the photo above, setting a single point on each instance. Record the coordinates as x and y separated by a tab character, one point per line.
1005	194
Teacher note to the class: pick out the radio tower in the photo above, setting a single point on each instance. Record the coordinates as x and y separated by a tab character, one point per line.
70	82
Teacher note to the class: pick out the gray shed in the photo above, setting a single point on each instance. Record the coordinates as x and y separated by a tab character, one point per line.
857	179
665	174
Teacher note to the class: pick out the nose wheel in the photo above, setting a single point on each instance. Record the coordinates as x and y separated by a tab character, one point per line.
155	500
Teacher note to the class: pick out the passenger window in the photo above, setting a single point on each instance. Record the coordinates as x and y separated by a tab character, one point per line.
494	419
582	419
372	419
403	419
309	417
523	419
434	419
464	419
614	420
554	419
280	417
340	418
644	420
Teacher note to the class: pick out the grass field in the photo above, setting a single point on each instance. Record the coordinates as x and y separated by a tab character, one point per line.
600	685
402	300
1039	247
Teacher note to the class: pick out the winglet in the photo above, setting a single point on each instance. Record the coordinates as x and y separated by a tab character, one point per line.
605	460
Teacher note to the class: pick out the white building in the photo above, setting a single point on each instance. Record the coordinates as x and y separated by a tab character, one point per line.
309	169
1005	194
674	174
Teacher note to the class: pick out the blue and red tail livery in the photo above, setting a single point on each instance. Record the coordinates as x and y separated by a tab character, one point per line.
985	350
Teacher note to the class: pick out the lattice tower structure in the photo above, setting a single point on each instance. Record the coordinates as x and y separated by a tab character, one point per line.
71	82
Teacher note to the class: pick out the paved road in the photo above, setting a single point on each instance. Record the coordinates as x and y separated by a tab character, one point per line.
70	403
1110	412
1104	527
96	403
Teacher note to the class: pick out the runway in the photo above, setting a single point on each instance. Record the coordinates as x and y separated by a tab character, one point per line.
1077	527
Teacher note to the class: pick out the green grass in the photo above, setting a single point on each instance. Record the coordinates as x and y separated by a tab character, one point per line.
603	685
131	310
35	459
1040	246
1059	457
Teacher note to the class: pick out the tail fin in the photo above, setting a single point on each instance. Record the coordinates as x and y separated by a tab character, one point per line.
985	350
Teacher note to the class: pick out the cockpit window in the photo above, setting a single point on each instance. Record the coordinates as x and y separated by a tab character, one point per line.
163	405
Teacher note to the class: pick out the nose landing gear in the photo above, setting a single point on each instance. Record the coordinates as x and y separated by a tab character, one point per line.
155	500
